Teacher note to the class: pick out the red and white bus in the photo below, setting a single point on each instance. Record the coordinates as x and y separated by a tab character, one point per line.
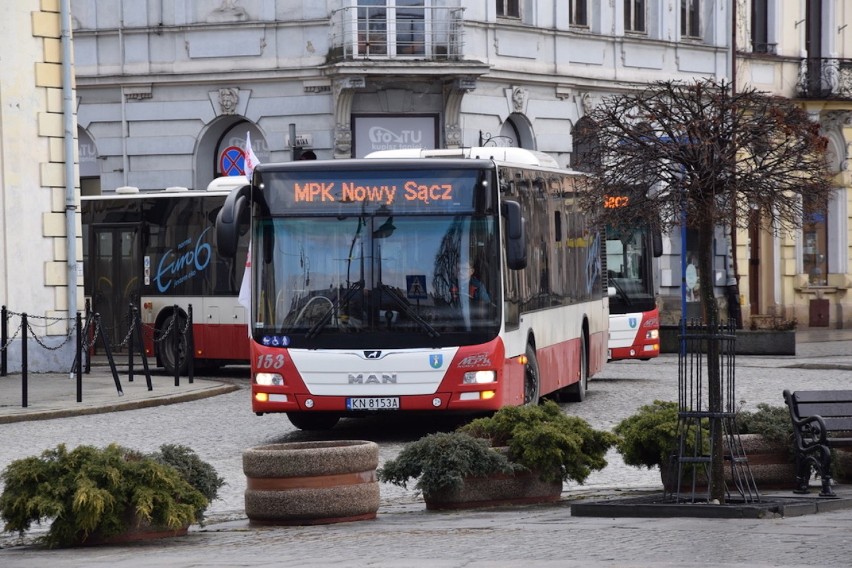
462	282
634	319
156	250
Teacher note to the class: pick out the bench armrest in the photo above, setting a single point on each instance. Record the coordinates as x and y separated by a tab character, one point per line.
811	431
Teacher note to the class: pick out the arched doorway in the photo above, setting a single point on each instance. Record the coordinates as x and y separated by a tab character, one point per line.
220	149
516	131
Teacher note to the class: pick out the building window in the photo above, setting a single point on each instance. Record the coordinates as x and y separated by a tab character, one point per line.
509	8
634	16
690	20
393	27
372	27
578	12
815	246
760	27
586	155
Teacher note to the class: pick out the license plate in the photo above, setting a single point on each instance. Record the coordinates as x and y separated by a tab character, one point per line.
373	403
609	353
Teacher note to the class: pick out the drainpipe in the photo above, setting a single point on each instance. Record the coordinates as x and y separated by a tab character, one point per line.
70	178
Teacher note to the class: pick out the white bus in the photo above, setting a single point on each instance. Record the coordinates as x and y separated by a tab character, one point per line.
462	282
156	250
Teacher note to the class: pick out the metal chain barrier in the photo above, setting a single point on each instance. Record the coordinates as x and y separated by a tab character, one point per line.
93	331
14	336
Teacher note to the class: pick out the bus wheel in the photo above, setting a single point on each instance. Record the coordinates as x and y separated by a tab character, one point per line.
173	356
532	380
313	420
577	391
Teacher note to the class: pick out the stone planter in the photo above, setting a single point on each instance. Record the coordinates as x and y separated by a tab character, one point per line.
771	466
748	342
496	490
311	483
843	465
139	530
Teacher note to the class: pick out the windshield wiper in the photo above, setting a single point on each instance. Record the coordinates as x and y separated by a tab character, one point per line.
409	311
620	292
317	327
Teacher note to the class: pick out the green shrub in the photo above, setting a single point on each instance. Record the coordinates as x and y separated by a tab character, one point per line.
544	439
92	491
648	437
539	438
771	422
441	462
200	474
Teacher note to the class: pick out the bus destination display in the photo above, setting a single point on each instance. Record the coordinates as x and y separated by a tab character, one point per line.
413	192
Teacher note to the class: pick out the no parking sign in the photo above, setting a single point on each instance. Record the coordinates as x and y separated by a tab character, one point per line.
232	161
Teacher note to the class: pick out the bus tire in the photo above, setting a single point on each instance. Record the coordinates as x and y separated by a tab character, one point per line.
532	378
313	420
577	391
171	358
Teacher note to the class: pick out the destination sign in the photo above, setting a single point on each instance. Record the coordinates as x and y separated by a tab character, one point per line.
415	191
386	194
615	201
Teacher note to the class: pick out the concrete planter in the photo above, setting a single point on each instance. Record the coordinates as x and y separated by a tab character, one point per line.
138	530
748	342
311	483
496	490
771	464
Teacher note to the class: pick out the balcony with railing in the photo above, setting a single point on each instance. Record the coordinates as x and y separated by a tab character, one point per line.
402	32
825	78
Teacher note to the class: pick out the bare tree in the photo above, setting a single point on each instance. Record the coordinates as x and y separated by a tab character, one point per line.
695	154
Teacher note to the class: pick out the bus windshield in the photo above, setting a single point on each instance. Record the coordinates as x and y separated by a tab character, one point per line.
628	262
377	280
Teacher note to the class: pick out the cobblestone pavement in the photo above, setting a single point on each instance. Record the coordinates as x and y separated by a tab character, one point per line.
405	534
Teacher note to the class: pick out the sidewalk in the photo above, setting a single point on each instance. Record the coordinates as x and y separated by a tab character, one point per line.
54	395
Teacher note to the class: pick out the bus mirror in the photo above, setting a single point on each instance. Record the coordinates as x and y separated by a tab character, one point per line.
657	243
511	210
228	221
516	249
611	291
516	242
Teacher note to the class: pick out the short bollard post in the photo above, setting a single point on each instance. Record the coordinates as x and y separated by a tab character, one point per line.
176	344
90	342
130	343
4	337
190	347
79	365
24	402
140	343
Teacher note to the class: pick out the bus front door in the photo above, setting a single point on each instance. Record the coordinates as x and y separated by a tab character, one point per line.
116	273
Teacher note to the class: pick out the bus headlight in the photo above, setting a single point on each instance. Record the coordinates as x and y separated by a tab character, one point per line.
653	334
269	379
479	377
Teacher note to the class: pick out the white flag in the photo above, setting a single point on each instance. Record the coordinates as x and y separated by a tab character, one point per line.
250	159
245	289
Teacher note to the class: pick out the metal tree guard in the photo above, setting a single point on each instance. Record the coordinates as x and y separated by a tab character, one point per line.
697	424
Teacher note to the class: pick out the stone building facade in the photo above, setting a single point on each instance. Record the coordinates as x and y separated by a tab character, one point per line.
167	90
803	51
38	196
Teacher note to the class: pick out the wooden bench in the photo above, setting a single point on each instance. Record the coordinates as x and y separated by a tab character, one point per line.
822	420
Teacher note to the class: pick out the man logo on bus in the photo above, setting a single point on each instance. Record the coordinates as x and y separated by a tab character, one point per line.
372	354
436	360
